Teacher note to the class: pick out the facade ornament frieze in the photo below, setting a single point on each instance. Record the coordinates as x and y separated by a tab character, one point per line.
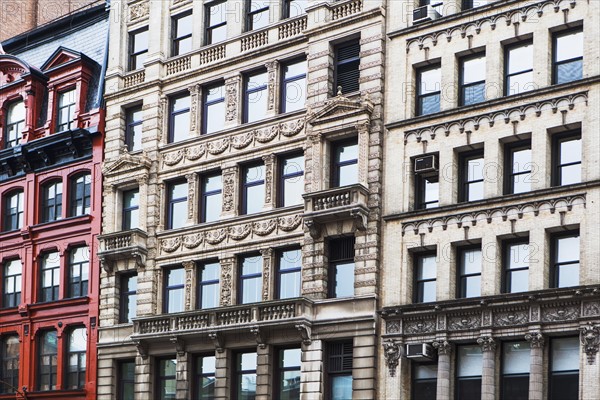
392	352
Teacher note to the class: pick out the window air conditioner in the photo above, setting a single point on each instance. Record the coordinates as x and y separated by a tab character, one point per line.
425	164
425	14
420	352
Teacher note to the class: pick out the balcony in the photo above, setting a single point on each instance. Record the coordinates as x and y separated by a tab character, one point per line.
347	202
122	246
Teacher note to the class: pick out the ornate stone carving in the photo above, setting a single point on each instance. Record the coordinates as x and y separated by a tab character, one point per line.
242	141
217	147
267	255
239	232
258	335
191	180
590	340
231	85
195	153
419	326
535	339
560	314
192	241
269	165
217	340
228	189
487	343
142	348
226	281
510	318
171	244
443	347
265	135
264	228
305	333
162	108
194	94
179	345
189	270
591	308
271	70
392	327
392	352
290	223
216	237
138	11
464	322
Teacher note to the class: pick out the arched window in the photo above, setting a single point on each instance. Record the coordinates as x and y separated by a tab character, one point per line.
15	123
47	361
75	363
81	194
12	216
52	201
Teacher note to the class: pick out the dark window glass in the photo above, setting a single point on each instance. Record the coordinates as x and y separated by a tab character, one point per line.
138	48
566	159
47	361
564	369
468	4
212	198
565	260
518	68
50	276
182	34
208	287
288	374
294	8
11	288
289	273
424	381
515	371
244	382
213	114
471	176
347	63
292	180
472	79
179	118
341	267
126	380
9	364
75	370
257	14
250	279
65	111
52	202
216	22
568	56
255	96
253	188
205	374
14	206
469	368
81	194
339	370
427	193
133	133
79	269
516	266
15	123
167	379
345	162
425	278
518	167
174	286
131	209
429	86
128	298
293	86
177	204
469	272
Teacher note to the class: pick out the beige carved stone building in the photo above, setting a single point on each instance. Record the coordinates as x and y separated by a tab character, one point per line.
242	185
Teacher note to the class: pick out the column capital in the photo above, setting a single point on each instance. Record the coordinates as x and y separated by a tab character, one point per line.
487	343
535	339
443	347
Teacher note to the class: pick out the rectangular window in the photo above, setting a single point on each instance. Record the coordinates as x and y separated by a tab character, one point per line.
244	380
11	287
339	370
293	86
52	201
179	118
205	376
126	381
516	266
567	56
79	270
424	381
429	87
15	123
14	208
81	194
128	298
287	375
469	272
566	158
471	172
208	285
213	112
47	361
472	79
257	14
515	371
9	364
133	131
291	185
468	4
255	96
518	68
65	111
50	276
565	260
131	209
564	369
182	34
253	188
341	267
76	359
216	22
177	204
425	277
167	379
174	279
427	187
345	162
250	279
294	8
347	71
289	278
518	167
212	197
138	48
469	368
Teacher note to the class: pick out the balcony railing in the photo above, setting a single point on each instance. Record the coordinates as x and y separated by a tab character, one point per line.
122	245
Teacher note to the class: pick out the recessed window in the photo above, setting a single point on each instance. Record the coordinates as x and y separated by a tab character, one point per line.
257	14
566	158
347	67
518	64
469	368
177	204
287	375
469	272
208	285
213	113
131	209
216	22
339	370
425	276
127	298
429	86
50	276
138	48
15	123
174	286
564	369
133	133
47	361
244	379
14	207
182	34
255	96
515	371
52	201
167	378
250	279
427	193
345	162
79	270
424	381
518	167
11	285
81	194
9	367
126	381
568	56
468	4
289	278
293	86
212	197
341	267
75	368
65	111
253	188
516	266
471	172
291	180
294	8
205	377
565	260
179	118
472	79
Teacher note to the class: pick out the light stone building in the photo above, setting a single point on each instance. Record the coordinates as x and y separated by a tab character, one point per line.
242	187
490	219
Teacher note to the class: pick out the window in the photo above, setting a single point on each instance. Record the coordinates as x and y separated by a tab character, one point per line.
177	204
244	381
133	133
208	287
15	123
9	364
468	372
427	190
429	86
472	79
138	48
339	370
567	56
518	67
565	260
213	113
128	298
341	267
50	276
126	381
216	22
212	189
179	118
79	269
293	86
182	34
257	14
345	162
287	381
14	205
205	376
52	201
76	359
66	111
81	194
469	272
250	279
47	361
564	369
289	278
294	8
566	158
471	176
515	371
131	209
347	63
253	188
255	96
174	284
291	180
468	4
425	277
516	266
11	284
424	381
518	167
167	379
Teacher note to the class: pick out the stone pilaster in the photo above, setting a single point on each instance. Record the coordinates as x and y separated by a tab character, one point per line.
536	369
223	380
230	191
444	349
590	367
195	100
189	292
272	88
311	386
363	152
268	274
182	372
192	201
232	101
228	275
263	371
488	382
163	120
143	378
270	184
143	190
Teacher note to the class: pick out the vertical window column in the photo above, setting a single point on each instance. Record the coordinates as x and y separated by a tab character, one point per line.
10	351
515	371
537	363
488	370
469	368
564	369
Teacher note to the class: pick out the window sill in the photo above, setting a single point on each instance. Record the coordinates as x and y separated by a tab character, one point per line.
63	221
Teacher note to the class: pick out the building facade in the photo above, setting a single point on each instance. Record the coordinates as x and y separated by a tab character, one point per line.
242	183
491	274
50	197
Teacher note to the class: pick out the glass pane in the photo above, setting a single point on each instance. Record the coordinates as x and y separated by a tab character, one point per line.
184	26
247	361
140	41
252	265
179	214
568	275
211	271
14	267
184	46
212	183
175	301
569	46
210	296
341	387
257	105
519	281
181	126
178	191
564	386
470	262
293	188
428	291
522	183
475	169
213	205
474	70
430	104
521	160
567	249
290	358
217	14
565	354
295	95
570	174
290	285
347	152
175	277
131	198
569	72
252	290
515	358
208	365
215	117
426	267
260	19
473	286
348	174
255	174
218	34
520	58
215	93
475	191
570	151
78	340
255	196
474	94
290	259
518	255
297	7
515	387
344	280
432	192
430	81
16	112
470	361
49	343
520	83
426	371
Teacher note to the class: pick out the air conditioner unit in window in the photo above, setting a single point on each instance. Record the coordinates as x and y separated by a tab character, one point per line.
426	164
424	14
420	352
